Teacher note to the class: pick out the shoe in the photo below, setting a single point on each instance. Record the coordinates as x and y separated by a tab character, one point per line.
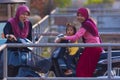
68	72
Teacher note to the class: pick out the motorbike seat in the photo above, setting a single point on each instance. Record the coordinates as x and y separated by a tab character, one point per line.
105	54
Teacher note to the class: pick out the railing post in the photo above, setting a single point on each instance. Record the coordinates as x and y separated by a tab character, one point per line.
33	35
5	64
109	63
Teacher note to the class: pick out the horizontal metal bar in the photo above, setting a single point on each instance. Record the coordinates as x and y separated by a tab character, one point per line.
62	45
56	33
58	78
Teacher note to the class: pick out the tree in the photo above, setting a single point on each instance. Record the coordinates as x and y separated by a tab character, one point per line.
88	2
43	7
62	3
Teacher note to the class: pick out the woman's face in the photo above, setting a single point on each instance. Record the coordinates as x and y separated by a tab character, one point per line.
70	31
80	18
23	17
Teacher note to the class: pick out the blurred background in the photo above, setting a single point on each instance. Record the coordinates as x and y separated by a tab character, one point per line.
40	8
50	16
59	12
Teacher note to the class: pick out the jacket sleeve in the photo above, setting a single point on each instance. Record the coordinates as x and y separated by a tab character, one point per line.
7	29
77	36
30	32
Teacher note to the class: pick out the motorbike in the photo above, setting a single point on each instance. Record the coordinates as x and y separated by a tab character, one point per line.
59	66
23	62
101	69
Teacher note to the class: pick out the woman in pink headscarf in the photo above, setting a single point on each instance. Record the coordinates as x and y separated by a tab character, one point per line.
19	26
89	33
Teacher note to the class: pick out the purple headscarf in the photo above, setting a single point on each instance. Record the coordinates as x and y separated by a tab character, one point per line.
20	33
88	24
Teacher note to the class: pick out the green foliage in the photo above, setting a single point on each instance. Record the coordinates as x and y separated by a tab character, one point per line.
62	3
46	52
108	1
98	2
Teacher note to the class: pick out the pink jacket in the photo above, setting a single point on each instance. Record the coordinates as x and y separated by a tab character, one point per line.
89	38
88	30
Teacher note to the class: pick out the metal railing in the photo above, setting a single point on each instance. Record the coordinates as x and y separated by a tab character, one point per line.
93	10
108	45
41	30
59	17
53	24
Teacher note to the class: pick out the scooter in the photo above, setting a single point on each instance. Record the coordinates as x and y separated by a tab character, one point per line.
58	58
102	66
23	62
59	66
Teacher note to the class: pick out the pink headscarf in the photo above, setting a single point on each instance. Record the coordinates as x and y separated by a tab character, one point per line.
84	12
20	33
20	10
88	24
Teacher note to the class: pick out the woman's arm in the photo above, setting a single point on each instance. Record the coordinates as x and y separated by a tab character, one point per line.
77	36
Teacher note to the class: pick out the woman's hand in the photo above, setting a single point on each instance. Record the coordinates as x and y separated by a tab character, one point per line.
11	37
